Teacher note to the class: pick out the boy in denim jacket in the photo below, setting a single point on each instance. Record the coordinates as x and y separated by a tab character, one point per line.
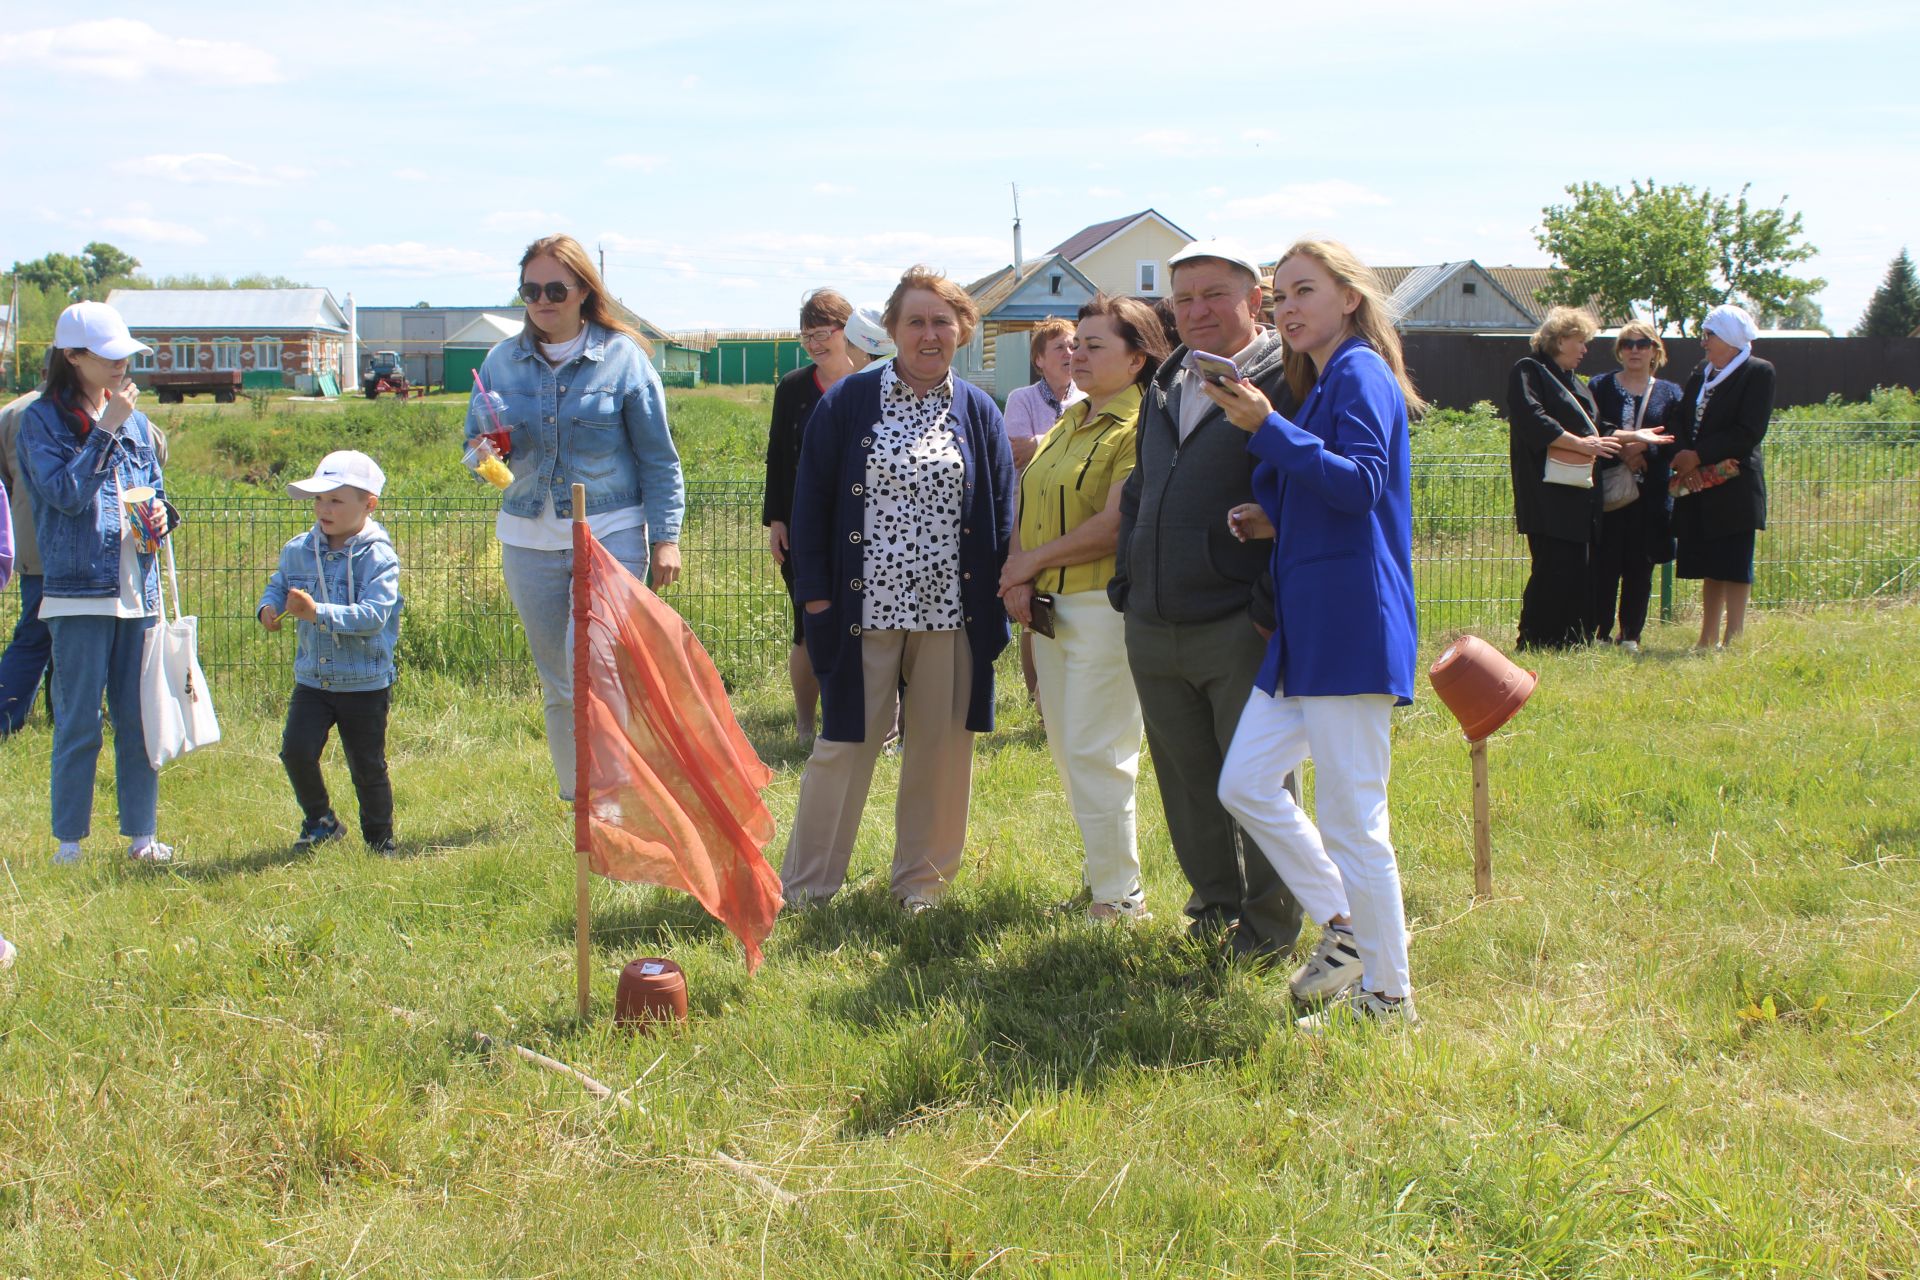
341	581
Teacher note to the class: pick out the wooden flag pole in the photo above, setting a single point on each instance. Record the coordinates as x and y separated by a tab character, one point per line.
1482	825
582	837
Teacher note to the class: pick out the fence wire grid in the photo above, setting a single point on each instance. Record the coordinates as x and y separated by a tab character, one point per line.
1843	524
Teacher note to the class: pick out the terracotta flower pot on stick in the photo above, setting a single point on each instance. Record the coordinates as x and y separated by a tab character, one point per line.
1484	689
651	990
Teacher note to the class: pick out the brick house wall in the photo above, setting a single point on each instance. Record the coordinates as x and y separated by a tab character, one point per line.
300	352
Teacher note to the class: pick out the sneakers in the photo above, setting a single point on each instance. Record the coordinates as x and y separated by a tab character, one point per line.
7	952
916	906
1630	646
151	851
67	854
1361	1009
1331	971
1134	912
386	846
322	829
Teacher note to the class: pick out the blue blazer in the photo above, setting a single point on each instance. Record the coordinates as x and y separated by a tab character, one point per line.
1337	484
829	521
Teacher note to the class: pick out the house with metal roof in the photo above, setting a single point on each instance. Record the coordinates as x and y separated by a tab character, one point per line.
1465	297
1011	302
420	335
1126	256
274	337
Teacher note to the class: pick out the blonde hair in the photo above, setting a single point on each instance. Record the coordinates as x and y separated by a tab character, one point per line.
598	308
1562	322
1371	320
946	290
1641	329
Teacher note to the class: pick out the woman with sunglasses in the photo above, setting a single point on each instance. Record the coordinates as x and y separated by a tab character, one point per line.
582	405
1634	532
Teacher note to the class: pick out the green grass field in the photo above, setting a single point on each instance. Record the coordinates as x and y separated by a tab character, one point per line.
1681	1040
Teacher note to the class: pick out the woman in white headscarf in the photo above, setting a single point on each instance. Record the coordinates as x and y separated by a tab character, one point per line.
1717	429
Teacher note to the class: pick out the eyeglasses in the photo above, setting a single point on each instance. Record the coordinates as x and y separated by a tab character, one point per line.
556	291
1635	344
813	337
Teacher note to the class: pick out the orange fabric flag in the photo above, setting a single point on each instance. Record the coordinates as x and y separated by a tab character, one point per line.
673	785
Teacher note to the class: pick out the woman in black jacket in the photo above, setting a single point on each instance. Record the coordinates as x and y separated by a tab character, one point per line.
1548	407
1718	427
1634	529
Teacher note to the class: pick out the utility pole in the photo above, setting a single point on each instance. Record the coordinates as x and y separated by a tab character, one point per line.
1018	263
603	262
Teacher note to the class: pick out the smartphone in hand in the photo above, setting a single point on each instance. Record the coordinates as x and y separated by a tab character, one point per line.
1215	369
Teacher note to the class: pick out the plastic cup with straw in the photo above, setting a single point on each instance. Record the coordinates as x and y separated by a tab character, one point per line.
488	448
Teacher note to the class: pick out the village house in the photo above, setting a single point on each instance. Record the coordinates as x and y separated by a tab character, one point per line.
274	337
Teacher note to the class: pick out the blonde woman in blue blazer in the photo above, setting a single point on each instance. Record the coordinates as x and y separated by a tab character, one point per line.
1333	490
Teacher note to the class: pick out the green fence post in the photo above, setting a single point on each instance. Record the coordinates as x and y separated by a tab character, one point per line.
1666	591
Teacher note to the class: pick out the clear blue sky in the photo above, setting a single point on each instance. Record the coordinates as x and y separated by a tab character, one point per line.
729	156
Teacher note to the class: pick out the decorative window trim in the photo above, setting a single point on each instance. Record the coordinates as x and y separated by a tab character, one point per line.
267	353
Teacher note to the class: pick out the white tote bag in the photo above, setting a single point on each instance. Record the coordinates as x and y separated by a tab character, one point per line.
175	703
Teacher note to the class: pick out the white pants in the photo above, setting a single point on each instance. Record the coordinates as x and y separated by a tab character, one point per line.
1093	730
1345	865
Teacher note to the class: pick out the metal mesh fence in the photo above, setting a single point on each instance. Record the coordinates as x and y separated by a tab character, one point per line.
1844	524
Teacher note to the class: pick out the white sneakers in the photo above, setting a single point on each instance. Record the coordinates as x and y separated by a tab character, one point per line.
1331	971
7	952
151	851
1362	1009
1131	912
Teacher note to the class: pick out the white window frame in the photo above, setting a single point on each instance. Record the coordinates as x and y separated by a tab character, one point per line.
1146	277
146	361
266	353
226	354
190	348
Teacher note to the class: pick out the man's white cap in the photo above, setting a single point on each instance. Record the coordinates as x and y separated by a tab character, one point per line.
342	466
1225	250
864	332
97	327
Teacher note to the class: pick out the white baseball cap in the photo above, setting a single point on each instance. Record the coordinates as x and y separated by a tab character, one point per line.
865	333
342	466
97	327
1225	250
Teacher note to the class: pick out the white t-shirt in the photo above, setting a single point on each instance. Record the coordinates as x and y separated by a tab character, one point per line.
130	603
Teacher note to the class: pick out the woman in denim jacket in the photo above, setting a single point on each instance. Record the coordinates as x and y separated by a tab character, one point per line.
83	447
582	405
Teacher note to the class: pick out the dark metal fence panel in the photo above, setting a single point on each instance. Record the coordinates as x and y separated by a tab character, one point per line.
1844	524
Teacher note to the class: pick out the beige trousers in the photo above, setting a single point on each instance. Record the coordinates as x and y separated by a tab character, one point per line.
936	772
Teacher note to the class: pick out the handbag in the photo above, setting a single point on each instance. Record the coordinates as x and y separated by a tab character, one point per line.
1619	484
176	708
1041	614
1569	466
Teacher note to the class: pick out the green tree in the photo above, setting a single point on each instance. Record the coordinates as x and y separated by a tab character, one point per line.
1673	252
57	272
1894	311
103	262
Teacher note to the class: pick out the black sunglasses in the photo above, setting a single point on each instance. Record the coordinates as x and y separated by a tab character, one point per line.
555	290
1626	344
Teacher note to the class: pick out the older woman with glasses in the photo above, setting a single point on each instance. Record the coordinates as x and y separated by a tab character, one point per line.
1634	533
901	520
1719	424
839	341
582	405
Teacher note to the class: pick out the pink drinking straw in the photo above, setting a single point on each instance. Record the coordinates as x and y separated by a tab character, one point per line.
480	389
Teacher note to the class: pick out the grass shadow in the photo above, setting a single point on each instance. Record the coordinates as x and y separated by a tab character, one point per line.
283	853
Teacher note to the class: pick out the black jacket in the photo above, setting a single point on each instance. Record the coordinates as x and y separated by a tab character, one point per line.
1177	561
1732	426
1543	401
1651	515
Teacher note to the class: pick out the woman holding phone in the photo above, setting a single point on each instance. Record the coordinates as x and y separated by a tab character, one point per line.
87	455
1064	543
1342	656
583	405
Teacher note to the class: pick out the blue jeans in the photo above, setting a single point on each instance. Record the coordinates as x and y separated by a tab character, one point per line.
25	660
541	586
92	656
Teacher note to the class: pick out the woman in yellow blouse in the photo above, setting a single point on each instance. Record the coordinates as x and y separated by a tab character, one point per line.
1063	548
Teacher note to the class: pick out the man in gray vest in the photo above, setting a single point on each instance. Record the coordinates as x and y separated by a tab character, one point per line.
1198	602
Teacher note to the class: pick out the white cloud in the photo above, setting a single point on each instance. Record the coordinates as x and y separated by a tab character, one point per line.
1304	201
1105	193
326	226
153	230
409	258
871	262
127	49
589	71
210	168
831	189
635	160
412	175
689	82
1257	135
524	220
1166	141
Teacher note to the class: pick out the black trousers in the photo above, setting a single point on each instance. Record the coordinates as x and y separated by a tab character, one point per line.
1557	609
362	718
1622	573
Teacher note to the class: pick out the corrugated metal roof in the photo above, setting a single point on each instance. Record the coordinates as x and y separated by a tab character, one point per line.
1410	285
235	309
486	331
1086	240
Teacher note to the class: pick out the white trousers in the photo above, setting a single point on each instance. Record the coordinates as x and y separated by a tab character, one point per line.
1345	865
1093	730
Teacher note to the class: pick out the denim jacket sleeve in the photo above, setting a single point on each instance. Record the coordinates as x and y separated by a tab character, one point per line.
63	474
276	593
662	487
375	599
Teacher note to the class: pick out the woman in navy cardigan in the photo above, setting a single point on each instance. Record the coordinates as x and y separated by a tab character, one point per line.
1334	491
902	515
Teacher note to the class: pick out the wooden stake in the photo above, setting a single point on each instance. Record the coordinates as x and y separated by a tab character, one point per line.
1482	825
582	831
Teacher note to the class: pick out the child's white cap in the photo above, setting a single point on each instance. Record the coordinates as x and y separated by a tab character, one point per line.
342	466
